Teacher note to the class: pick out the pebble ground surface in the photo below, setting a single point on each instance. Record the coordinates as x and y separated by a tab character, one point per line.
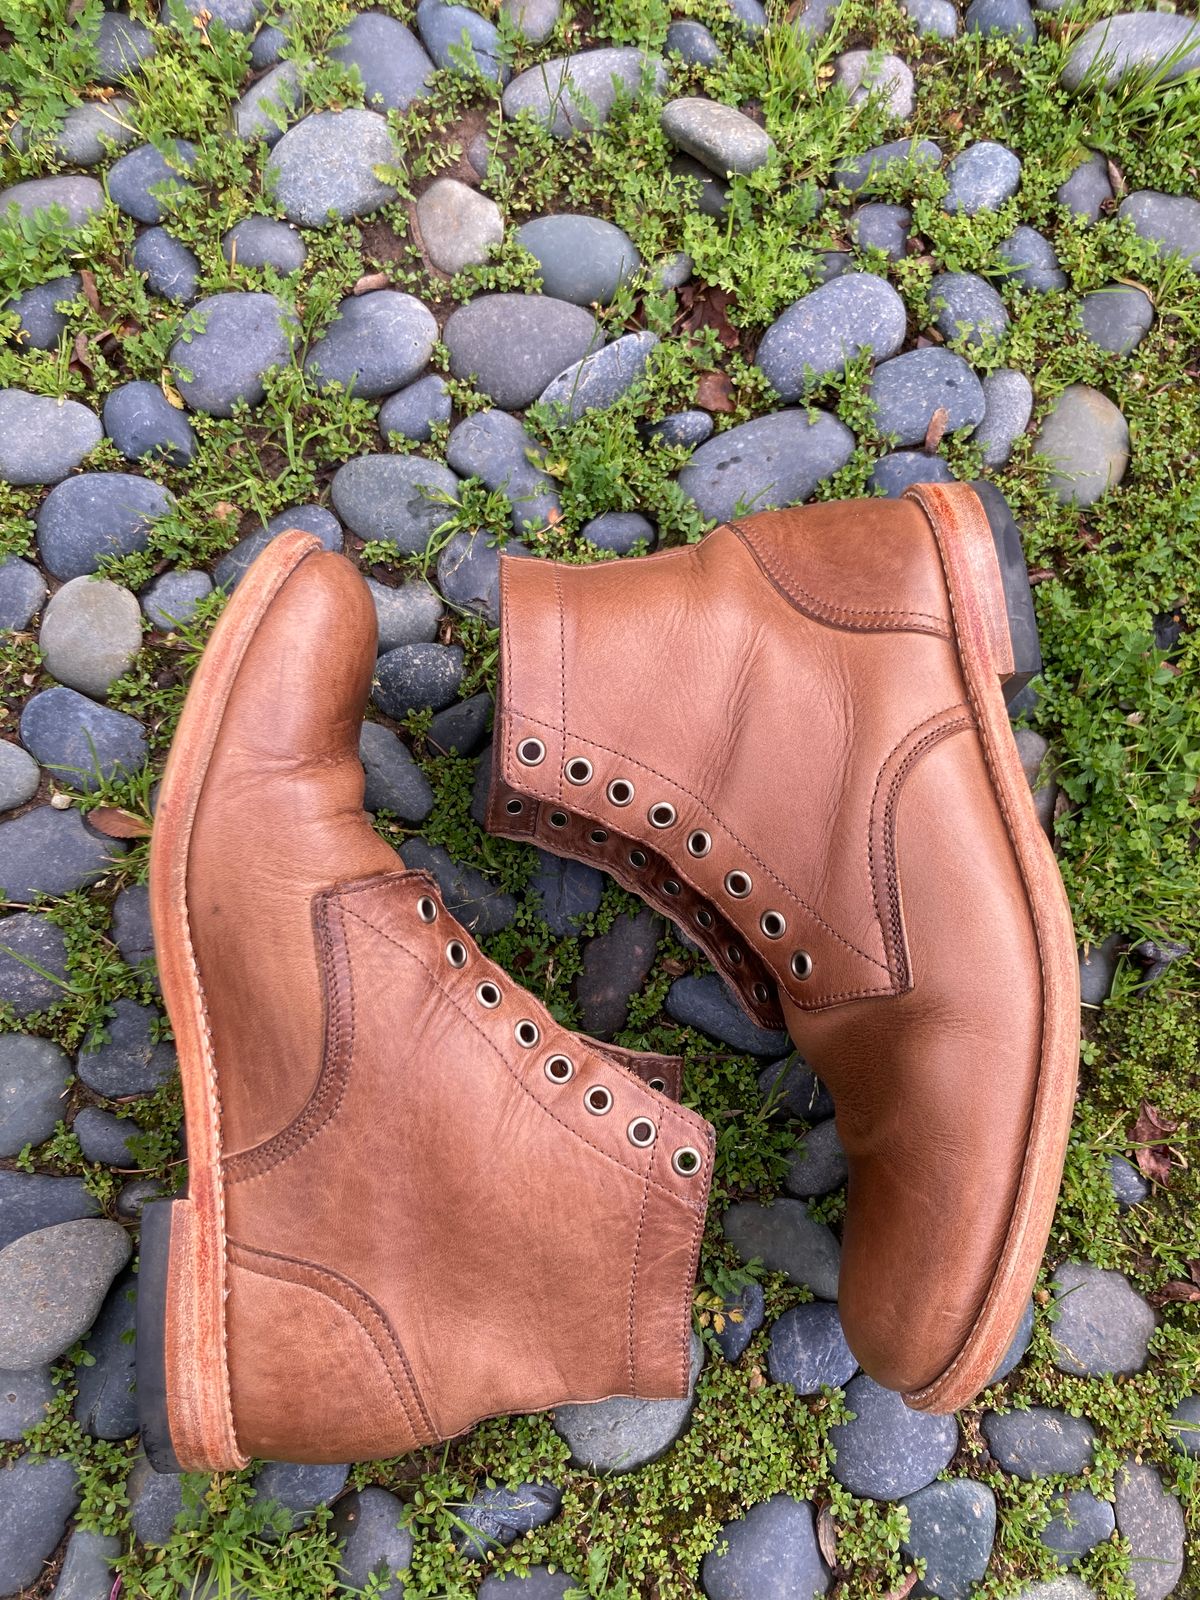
429	280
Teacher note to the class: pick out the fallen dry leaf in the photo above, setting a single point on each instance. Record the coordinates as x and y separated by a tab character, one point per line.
1150	1134
370	281
1176	1290
226	511
88	284
714	392
82	355
936	430
118	824
172	395
827	1535
705	305
906	1588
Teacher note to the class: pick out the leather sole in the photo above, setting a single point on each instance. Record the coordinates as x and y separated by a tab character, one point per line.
182	1358
985	649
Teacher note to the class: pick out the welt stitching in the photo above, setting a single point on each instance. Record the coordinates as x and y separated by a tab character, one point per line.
471	1023
352	1288
758	861
823	610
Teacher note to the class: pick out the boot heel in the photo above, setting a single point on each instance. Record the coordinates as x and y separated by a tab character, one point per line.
182	1381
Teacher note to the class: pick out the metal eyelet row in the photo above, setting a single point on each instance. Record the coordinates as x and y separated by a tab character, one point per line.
598	1100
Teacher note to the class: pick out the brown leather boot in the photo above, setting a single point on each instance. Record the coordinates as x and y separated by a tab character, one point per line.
791	738
414	1200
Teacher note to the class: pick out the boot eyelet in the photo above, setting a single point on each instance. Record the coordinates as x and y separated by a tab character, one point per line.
802	965
426	909
738	884
558	819
456	953
514	807
670	887
662	815
638	858
773	924
579	770
686	1161
704	917
598	836
598	1100
559	1069
761	993
488	994
699	843
641	1133
734	954
531	752
528	1033
657	1084
620	792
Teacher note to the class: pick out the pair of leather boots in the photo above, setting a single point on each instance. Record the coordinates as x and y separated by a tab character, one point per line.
416	1200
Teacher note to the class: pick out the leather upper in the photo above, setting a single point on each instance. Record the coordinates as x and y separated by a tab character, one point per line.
425	1226
801	785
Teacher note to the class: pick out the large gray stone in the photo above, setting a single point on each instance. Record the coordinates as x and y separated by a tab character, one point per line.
95	515
860	172
577	92
22	590
1131	41
106	1399
373	1542
395	783
417	677
81	743
52	1284
1117	317
702	1001
87	1569
142	423
1086	440
33	1200
127	1057
621	1435
512	345
325	167
817	335
469	896
42	439
1008	405
1102	1324
1087	189
458	225
786	1238
413	413
1171	221
42	323
1151	1518
227	345
172	270
494	447
48	851
24	1397
951	1527
981	178
771	1553
1039	1442
270	104
91	631
33	1088
375	344
772	461
808	1349
19	777
408	613
720	137
909	388
394	497
599	380
1081	1523
461	41
496	1516
33	963
966	307
77	197
395	70
818	1166
145	181
889	1451
885	77
36	1498
582	259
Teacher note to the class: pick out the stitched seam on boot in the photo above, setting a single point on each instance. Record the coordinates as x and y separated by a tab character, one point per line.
512	1071
810	605
562	672
724	827
359	1293
633	1276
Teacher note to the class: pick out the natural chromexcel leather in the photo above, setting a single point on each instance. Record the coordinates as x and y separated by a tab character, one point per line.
768	735
423	1229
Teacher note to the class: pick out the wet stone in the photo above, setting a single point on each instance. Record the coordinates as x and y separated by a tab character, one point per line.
395	783
879	226
469	896
468	572
786	1238
42	323
324	167
512	345
47	851
1011	18
619	531
413	412
42	439
705	1003
790	1086
1081	1523
1151	1518
376	344
1128	1186
776	460
599	380
566	893
170	268
909	388
24	1397
817	335
808	1350
322	524
106	1405
769	1554
819	1165
416	677
861	172
130	1060
81	743
28	942
33	1200
374	1545
33	1086
1170	221
89	132
19	779
264	242
133	1198
461	41
1039	1442
615	965
1087	189
269	105
623	1434
743	1315
693	43
144	425
889	1451
966	307
81	198
496	1517
155	1502
582	259
461	728
52	1283
982	177
533	18
87	1570
539	1583
894	473
144	181
951	1527
394	497
407	613
1086	440
1114	46
91	631
887	79
1031	260
37	1497
1098	968
1008	405
1117	317
719	137
104	1137
170	600
1102	1326
494	447
394	68
22	590
708	193
571	93
95	515
227	346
